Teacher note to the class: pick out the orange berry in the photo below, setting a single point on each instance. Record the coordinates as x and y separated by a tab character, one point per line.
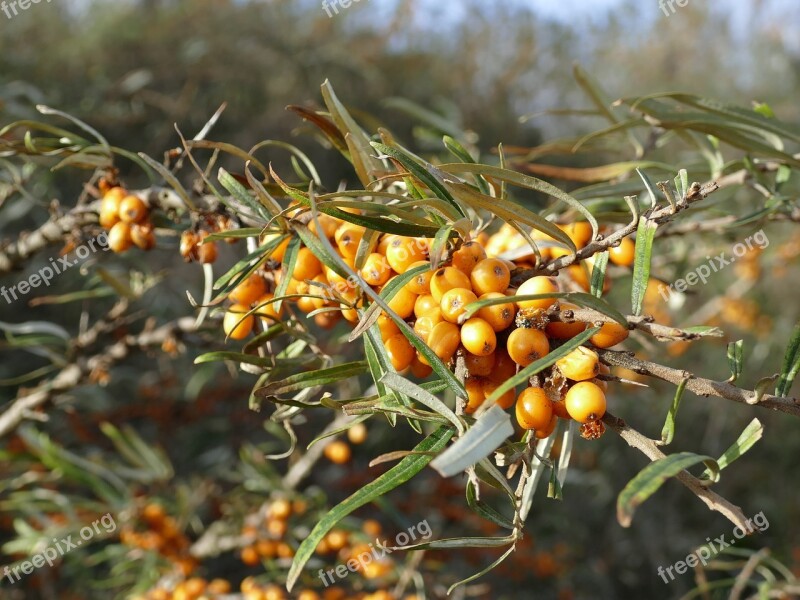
237	324
454	301
357	434
579	365
279	251
624	254
266	310
402	252
249	290
478	337
499	316
206	253
534	409
119	237
490	275
265	548
403	302
419	369
585	402
338	452
280	509
337	539
219	586
610	334
504	366
548	430
475	394
143	237
115	194
444	340
249	556
448	278
479	365
467	256
579	273
327	223
421	283
132	210
424	304
560	409
527	345
371	528
534	286
424	325
564	331
348	237
376	270
400	351
579	232
307	266
328	319
504	401
388	327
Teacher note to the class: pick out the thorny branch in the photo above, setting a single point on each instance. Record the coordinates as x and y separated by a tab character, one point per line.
648	447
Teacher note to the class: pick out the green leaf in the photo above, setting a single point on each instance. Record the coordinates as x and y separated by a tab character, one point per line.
482	572
651	190
421	172
751	434
645	235
524	181
491	429
316	378
791	364
238	191
735	359
404	386
668	431
598	274
394	477
484	510
650	479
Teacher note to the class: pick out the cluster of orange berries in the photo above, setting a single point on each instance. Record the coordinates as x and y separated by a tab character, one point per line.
346	546
163	536
195	588
195	248
127	219
268	538
494	342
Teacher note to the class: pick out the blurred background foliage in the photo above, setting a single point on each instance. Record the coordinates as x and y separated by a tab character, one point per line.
134	69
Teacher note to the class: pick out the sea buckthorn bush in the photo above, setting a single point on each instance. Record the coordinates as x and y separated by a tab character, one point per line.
486	322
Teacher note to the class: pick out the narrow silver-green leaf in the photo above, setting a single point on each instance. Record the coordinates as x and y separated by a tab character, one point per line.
751	434
668	431
645	235
791	364
491	429
598	274
736	359
650	479
394	477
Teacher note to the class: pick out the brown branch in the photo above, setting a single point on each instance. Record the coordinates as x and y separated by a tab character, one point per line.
696	193
699	385
663	333
648	447
80	371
